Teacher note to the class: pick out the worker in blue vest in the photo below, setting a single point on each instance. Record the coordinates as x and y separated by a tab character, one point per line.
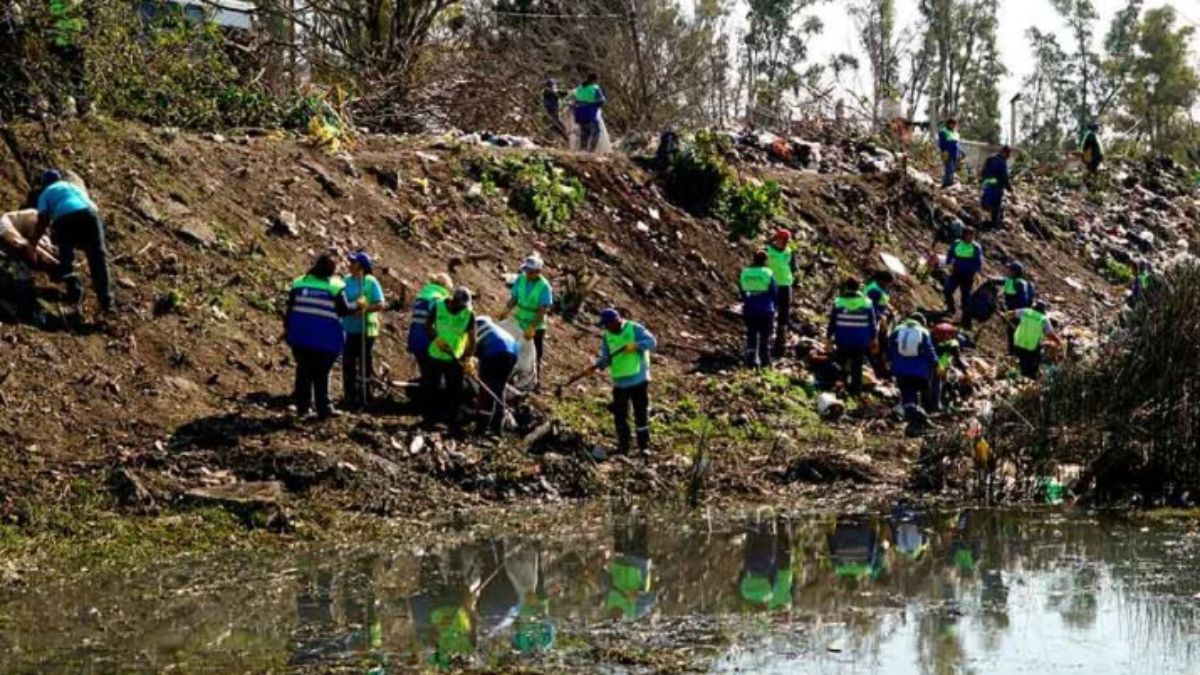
451	327
73	220
852	328
587	100
361	331
1143	283
1018	294
781	258
964	261
497	352
313	329
995	183
948	141
914	362
757	288
531	300
436	289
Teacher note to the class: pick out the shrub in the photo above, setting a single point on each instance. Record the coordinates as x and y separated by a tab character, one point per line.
538	189
1117	271
747	209
697	177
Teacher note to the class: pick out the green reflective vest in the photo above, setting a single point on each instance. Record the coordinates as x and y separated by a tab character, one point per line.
587	93
623	364
66	24
884	296
529	296
452	329
433	292
964	250
852	303
756	280
1031	330
780	263
951	135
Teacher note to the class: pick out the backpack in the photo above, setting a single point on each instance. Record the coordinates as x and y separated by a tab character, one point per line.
908	341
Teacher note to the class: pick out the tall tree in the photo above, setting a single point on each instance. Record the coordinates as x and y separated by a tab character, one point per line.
776	47
1163	82
876	24
981	79
960	40
1081	17
1048	107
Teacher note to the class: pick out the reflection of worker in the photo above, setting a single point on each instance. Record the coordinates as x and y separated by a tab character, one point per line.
767	574
444	614
854	550
964	550
318	636
629	571
907	536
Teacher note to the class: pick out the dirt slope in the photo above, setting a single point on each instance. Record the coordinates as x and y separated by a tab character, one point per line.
172	398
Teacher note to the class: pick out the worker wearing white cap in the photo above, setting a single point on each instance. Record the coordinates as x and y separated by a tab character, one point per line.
532	299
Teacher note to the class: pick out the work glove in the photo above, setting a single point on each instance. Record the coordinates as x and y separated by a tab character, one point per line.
471	366
530	333
442	345
629	349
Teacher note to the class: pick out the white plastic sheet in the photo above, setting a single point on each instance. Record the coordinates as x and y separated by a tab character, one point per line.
525	375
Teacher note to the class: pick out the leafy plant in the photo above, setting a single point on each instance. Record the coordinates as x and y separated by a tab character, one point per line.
749	208
1117	271
538	189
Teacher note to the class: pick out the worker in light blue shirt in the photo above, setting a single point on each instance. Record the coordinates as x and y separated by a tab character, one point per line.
73	221
357	361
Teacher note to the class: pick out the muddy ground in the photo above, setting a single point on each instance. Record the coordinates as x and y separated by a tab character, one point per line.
178	403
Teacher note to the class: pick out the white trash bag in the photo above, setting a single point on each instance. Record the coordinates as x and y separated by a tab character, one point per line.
525	374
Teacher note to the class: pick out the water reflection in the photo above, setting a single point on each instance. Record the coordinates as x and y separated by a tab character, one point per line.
909	591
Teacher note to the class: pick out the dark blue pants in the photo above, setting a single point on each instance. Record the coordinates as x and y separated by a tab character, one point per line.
312	379
851	361
964	284
951	168
914	390
82	229
758	340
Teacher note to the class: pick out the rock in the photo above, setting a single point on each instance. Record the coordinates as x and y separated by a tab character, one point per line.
255	494
417	445
829	407
169	134
599	454
197	232
126	282
286	224
475	191
128	487
331	186
182	384
642	227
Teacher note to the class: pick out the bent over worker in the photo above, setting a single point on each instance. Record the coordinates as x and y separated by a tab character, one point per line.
451	327
74	222
914	361
1033	330
757	287
361	331
435	290
313	329
497	353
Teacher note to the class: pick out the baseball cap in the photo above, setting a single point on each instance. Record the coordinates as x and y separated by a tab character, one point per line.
462	295
362	259
532	264
608	316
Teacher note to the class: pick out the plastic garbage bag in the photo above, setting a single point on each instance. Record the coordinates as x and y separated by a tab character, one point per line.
525	374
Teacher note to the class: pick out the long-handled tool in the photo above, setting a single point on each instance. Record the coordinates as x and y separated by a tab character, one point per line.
509	419
558	389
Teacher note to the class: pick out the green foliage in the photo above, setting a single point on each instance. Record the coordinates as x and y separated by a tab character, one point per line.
697	176
749	208
1118	272
1163	85
537	188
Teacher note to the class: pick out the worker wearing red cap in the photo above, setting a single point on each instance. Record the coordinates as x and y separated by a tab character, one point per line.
781	260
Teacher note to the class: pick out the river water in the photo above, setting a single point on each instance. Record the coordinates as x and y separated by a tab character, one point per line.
973	591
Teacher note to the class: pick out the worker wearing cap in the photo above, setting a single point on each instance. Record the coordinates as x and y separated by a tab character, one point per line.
71	217
532	299
964	261
914	360
313	329
1018	294
497	352
451	327
552	97
757	288
436	289
948	141
1033	330
357	364
625	350
781	259
852	328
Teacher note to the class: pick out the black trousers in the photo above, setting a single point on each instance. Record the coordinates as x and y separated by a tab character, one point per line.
639	397
589	135
851	361
539	342
996	214
783	318
494	372
356	389
914	390
82	229
312	379
1030	360
442	404
964	284
758	340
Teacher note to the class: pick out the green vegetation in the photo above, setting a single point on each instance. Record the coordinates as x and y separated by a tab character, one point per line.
1118	272
537	188
749	208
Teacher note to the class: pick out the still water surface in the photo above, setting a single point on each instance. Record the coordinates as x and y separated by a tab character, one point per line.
976	591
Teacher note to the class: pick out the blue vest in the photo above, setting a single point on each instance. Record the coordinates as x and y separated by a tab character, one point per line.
491	340
313	321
